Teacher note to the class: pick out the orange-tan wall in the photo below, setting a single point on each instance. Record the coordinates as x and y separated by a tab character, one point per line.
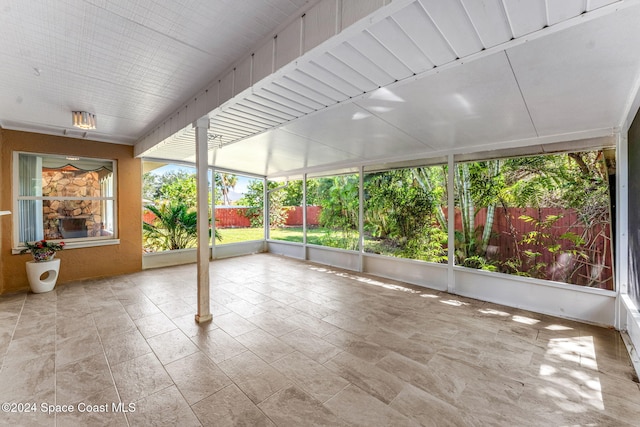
81	263
4	220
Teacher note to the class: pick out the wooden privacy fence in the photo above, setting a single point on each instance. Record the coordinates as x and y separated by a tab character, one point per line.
236	216
232	217
590	263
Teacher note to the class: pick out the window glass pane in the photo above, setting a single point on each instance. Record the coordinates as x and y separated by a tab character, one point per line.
107	222
64	198
239	207
285	211
544	216
404	213
170	201
30	220
334	201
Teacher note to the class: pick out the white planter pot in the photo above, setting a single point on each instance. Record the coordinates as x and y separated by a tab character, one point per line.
40	282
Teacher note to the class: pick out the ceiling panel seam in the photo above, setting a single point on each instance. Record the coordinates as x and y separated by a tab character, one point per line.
300	88
336	58
508	18
384	46
366	59
437	27
547	18
402	131
473	25
327	87
290	132
269	93
259	98
278	89
146	27
329	61
412	40
335	76
526	105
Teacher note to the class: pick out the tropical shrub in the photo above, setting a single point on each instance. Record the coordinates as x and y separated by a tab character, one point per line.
174	227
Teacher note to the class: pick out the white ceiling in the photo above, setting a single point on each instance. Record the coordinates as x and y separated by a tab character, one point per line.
132	62
415	79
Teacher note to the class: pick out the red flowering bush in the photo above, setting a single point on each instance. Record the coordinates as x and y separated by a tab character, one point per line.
42	246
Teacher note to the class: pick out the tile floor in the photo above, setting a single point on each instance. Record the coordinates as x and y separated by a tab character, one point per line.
296	344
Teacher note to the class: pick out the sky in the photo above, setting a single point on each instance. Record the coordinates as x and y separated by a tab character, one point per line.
235	194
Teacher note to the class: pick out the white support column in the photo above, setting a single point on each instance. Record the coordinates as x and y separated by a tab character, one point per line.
451	225
621	271
266	208
212	206
361	219
304	217
304	214
202	188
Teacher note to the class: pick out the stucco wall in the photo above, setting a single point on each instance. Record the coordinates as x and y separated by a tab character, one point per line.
84	263
4	220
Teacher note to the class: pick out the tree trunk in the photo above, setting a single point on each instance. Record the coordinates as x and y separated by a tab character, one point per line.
467	210
486	233
494	170
468	225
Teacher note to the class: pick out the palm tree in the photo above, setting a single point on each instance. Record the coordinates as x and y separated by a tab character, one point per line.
174	227
226	182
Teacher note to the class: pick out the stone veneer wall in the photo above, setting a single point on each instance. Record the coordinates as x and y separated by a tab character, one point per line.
71	183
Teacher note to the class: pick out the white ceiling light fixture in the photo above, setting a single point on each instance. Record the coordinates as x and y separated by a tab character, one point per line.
84	120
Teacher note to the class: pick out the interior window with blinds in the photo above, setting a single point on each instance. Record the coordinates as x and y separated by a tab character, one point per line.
64	198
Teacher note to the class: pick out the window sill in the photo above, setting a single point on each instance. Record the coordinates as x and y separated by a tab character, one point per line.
79	245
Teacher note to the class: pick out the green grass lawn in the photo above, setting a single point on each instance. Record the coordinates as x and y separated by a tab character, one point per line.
234	235
315	236
289	234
